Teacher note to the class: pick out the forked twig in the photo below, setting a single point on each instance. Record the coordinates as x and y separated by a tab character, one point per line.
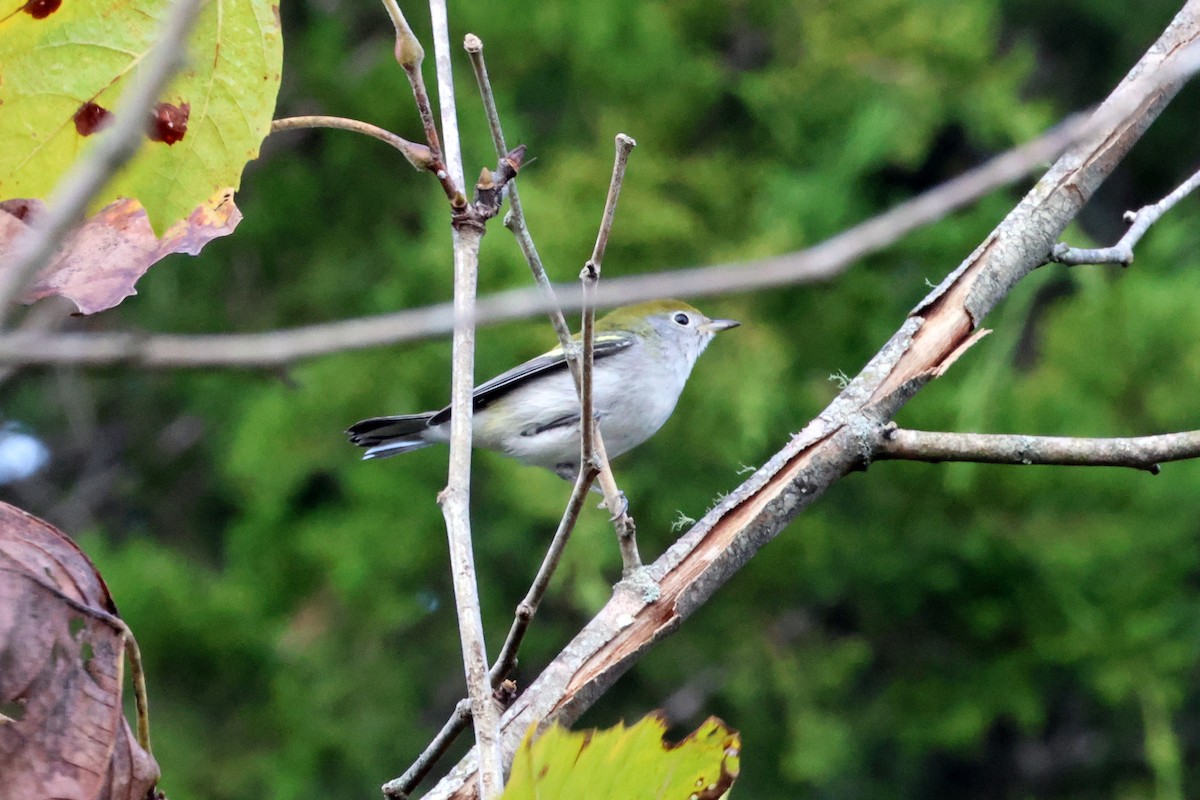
1139	223
410	55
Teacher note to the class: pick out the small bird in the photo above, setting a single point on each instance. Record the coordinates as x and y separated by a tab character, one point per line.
643	356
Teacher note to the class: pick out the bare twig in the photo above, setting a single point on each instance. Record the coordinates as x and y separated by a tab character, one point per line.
614	498
515	219
456	498
282	347
588	456
114	148
624	146
410	55
441	57
419	155
400	788
1137	452
537	590
1139	223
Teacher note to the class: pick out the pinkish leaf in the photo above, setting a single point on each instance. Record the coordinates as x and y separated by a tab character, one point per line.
63	733
99	264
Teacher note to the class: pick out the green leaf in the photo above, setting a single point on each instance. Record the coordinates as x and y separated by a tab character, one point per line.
626	763
66	66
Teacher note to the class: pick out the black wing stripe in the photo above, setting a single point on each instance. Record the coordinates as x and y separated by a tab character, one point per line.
487	393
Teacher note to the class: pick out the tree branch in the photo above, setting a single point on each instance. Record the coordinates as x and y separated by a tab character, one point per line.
282	347
515	219
467	233
1137	452
593	443
401	787
445	83
834	443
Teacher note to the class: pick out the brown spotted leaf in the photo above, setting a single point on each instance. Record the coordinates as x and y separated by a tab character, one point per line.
64	67
62	730
631	763
99	264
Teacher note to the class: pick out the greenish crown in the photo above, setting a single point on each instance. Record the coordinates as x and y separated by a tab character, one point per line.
633	318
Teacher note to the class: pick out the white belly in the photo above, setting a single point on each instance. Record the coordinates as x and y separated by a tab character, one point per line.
629	413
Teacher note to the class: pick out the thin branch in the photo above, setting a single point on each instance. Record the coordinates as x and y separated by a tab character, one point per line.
1139	223
455	500
283	347
507	659
614	498
114	148
515	219
419	155
474	47
588	456
445	83
467	233
1137	452
410	55
624	146
400	788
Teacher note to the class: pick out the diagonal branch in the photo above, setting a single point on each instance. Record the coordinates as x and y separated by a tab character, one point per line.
278	348
515	220
833	444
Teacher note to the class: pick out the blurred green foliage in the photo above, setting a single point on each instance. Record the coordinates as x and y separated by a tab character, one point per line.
950	631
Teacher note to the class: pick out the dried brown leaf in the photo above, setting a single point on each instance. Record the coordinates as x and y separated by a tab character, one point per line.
63	733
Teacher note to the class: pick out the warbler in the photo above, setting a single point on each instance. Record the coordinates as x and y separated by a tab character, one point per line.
643	355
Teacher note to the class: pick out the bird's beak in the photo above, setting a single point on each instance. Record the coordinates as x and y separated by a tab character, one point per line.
717	325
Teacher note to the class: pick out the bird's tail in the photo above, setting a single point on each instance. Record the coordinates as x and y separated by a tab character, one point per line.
390	436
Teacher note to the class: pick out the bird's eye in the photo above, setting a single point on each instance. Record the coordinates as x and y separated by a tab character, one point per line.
682	319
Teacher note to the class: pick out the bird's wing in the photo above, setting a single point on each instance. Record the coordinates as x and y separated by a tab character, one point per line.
487	393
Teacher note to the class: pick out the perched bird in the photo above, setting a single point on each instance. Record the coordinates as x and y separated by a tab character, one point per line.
643	356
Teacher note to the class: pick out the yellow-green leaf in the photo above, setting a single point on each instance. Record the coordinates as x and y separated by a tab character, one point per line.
626	763
64	66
